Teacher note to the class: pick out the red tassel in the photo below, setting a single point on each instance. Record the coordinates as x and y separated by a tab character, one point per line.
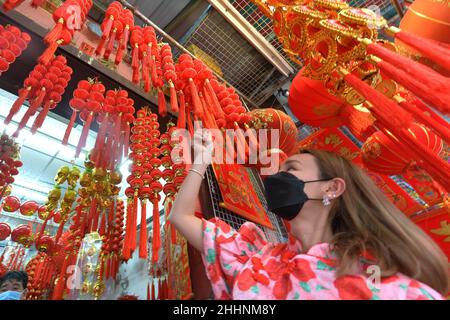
110	45
241	144
100	140
384	109
102	229
189	123
153	290
31	110
159	289
428	48
60	230
125	37
156	244
419	79
181	121
133	224
69	127
84	134
198	110
173	98
23	94
135	76
41	117
119	55
135	58
94	213
61	283
439	129
143	250
37	3
215	102
107	29
47	55
162	108
148	291
55	34
101	45
126	251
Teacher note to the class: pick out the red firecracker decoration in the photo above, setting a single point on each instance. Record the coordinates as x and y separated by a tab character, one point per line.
43	88
12	43
69	17
9	163
115	30
87	99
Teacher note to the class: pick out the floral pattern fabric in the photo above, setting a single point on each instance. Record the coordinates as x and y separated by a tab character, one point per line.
244	265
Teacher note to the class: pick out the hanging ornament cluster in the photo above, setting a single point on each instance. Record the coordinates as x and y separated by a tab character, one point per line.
144	182
64	202
116	28
170	76
43	88
9	162
12	43
87	100
68	18
41	269
112	141
144	51
112	243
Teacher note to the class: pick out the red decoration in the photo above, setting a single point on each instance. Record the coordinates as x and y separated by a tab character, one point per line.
43	88
29	208
311	103
238	194
69	17
116	28
5	231
12	43
9	162
87	99
22	235
11	204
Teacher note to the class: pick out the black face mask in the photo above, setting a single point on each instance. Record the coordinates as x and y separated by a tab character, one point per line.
285	194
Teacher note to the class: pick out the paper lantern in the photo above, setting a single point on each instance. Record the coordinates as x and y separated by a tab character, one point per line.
28	208
11	204
5	231
429	19
384	154
311	103
269	118
22	235
45	244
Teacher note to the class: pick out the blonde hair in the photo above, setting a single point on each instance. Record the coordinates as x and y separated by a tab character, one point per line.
364	220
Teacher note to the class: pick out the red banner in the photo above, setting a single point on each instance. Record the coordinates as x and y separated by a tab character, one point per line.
238	193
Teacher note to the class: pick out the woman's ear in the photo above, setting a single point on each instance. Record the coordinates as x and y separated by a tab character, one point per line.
335	188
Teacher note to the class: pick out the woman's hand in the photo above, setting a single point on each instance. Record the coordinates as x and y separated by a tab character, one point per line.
203	147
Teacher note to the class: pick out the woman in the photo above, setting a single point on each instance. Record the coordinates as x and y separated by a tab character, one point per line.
346	241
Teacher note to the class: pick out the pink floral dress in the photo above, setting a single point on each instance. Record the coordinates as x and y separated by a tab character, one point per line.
244	265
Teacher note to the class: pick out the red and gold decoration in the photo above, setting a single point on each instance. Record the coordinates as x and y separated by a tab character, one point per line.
12	43
68	18
9	165
238	194
116	28
43	88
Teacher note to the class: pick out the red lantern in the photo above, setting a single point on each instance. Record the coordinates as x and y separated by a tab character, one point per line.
311	103
384	154
11	204
22	235
5	231
45	244
28	208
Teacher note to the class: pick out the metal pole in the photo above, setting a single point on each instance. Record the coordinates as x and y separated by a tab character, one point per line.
140	15
398	7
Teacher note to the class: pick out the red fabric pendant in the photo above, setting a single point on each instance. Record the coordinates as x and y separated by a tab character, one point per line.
143	250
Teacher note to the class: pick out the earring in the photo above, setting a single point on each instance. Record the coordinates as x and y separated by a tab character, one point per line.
326	200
